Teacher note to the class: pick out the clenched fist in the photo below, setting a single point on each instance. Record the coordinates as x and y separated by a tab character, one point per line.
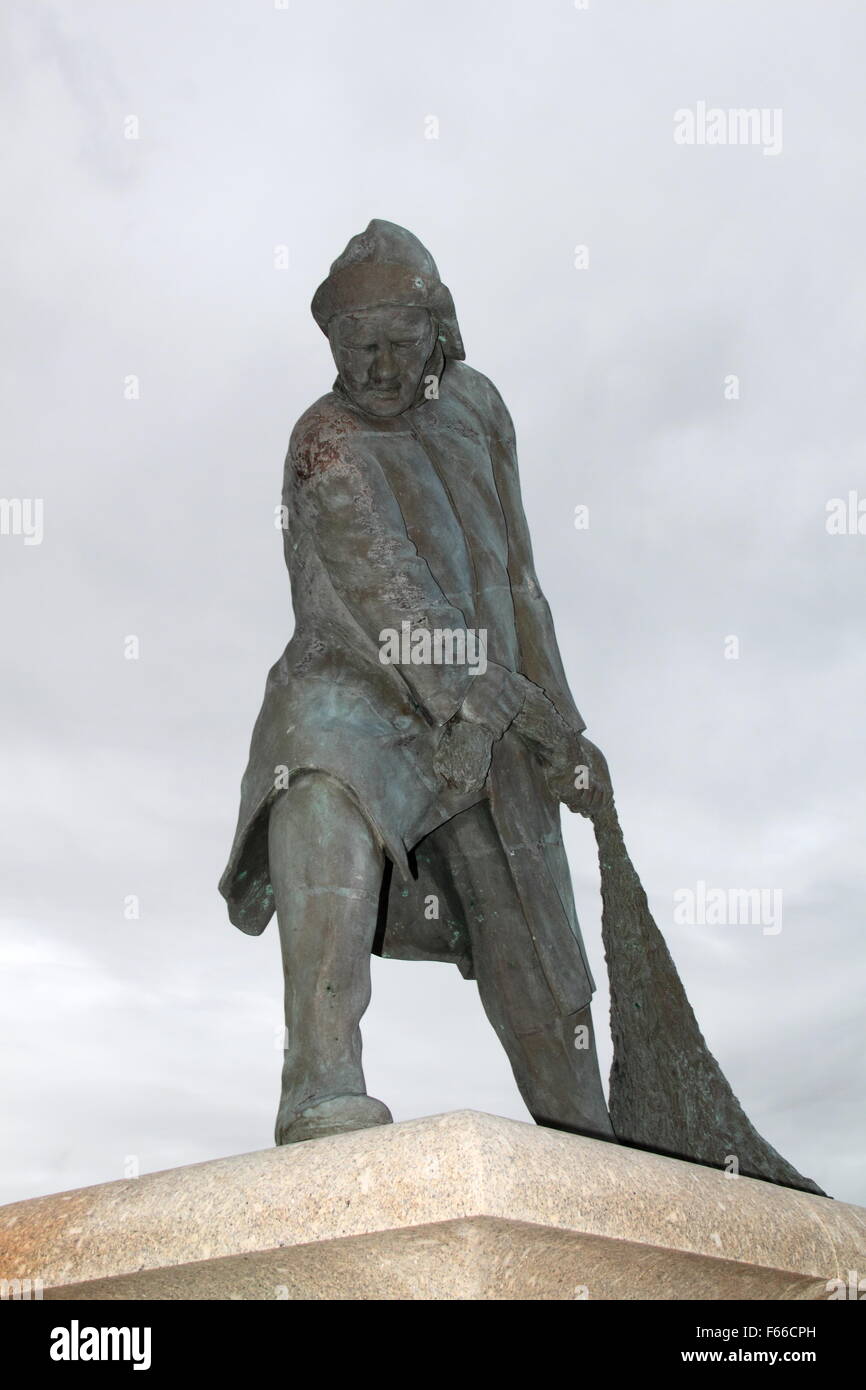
576	771
462	758
581	779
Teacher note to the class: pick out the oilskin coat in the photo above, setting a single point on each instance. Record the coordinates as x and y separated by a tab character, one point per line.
412	519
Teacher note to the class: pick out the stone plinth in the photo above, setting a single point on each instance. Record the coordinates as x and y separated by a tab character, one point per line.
457	1206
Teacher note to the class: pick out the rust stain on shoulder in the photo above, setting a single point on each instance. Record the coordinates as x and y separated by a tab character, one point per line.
318	439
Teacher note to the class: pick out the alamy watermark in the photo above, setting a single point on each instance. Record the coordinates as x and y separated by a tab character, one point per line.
846	516
77	1343
729	907
18	1290
22	516
852	1288
437	646
734	125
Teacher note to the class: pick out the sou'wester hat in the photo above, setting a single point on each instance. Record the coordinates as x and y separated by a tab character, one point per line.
388	265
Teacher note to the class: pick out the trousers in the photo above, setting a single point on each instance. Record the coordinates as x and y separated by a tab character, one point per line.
327	869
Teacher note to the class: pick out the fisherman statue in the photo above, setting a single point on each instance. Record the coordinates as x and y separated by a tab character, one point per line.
416	739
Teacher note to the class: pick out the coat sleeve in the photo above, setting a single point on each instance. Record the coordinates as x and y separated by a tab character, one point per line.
539	650
343	500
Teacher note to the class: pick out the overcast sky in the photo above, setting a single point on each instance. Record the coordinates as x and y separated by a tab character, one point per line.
156	1040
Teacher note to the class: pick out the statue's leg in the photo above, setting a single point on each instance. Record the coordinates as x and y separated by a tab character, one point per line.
326	870
553	1056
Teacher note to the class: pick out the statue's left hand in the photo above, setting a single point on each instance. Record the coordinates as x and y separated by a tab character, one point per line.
581	778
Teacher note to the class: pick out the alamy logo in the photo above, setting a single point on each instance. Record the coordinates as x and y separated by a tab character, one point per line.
846	516
438	646
723	907
77	1343
736	125
22	516
20	1289
854	1288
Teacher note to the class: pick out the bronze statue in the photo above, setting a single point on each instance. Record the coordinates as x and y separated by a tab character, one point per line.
418	735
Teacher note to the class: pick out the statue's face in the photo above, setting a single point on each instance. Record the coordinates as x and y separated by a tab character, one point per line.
381	354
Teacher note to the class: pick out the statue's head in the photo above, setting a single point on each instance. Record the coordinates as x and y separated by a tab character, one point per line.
387	316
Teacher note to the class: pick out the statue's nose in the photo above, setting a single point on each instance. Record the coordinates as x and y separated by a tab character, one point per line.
385	367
